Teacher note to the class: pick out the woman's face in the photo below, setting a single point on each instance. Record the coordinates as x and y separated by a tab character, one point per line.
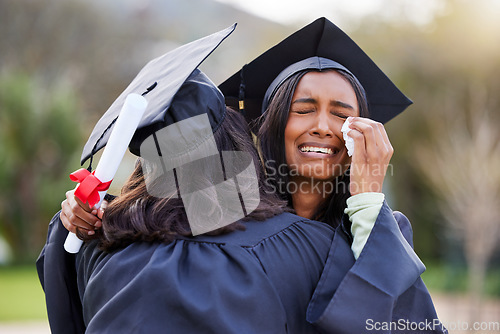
314	145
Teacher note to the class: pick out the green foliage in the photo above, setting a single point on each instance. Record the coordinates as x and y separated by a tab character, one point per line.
96	47
433	63
62	65
445	278
492	283
449	278
22	294
40	137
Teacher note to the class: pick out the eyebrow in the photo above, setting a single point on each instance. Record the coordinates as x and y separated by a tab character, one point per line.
341	104
333	103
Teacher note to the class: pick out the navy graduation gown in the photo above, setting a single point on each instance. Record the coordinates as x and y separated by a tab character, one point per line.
382	288
262	280
255	281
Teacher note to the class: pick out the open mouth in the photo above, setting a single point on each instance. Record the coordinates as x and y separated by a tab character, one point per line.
306	148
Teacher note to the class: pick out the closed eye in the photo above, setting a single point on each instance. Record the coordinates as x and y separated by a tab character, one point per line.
302	112
340	114
303	106
341	109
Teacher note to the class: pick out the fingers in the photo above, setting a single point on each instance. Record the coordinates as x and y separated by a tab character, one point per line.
372	154
366	137
66	221
370	139
78	215
359	145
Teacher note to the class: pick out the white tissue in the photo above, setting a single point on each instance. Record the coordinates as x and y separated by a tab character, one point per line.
349	142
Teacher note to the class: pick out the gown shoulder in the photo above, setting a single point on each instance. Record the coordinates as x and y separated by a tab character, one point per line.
255	281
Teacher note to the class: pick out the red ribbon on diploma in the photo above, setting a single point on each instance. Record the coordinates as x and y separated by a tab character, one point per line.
88	190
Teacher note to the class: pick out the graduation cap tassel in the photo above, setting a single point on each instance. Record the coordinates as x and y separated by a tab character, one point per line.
150	88
316	46
94	149
241	96
89	168
164	168
236	184
93	186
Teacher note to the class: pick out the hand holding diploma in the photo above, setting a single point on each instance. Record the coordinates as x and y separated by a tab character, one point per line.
163	77
93	186
78	216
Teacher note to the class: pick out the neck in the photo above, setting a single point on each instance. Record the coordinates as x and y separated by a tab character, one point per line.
309	195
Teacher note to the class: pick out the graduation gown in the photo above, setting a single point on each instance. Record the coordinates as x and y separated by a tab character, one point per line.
284	275
381	291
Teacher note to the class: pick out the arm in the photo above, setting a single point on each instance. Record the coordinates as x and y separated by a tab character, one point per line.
56	271
378	281
363	210
56	267
381	286
372	153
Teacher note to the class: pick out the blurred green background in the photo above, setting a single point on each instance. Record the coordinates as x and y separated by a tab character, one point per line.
62	63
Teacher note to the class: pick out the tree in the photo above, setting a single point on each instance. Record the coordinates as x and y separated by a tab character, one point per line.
461	161
39	143
95	48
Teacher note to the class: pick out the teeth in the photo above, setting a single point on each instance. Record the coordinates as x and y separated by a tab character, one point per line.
323	150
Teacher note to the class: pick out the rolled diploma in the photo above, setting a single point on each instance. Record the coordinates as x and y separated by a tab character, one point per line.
125	126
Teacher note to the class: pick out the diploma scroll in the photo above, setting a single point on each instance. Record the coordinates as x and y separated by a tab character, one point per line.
121	135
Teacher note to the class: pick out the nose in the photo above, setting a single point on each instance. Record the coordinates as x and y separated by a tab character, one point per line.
322	127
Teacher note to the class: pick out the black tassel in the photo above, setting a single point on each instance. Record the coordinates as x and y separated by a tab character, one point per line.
89	168
241	96
150	88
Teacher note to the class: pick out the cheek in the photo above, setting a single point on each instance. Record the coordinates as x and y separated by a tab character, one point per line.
290	136
289	131
289	148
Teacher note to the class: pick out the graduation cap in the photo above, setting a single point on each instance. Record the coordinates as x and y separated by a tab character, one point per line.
319	45
180	158
161	80
176	142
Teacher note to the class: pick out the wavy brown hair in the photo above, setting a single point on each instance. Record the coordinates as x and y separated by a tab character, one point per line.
138	216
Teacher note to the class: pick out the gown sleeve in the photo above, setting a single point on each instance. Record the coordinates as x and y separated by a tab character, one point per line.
363	210
381	291
182	287
57	274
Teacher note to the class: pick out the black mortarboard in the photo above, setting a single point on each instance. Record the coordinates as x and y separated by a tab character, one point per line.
323	39
161	80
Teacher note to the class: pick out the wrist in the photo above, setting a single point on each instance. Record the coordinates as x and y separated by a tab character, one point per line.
362	200
359	187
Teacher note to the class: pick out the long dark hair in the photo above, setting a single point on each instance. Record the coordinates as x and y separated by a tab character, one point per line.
271	135
138	216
